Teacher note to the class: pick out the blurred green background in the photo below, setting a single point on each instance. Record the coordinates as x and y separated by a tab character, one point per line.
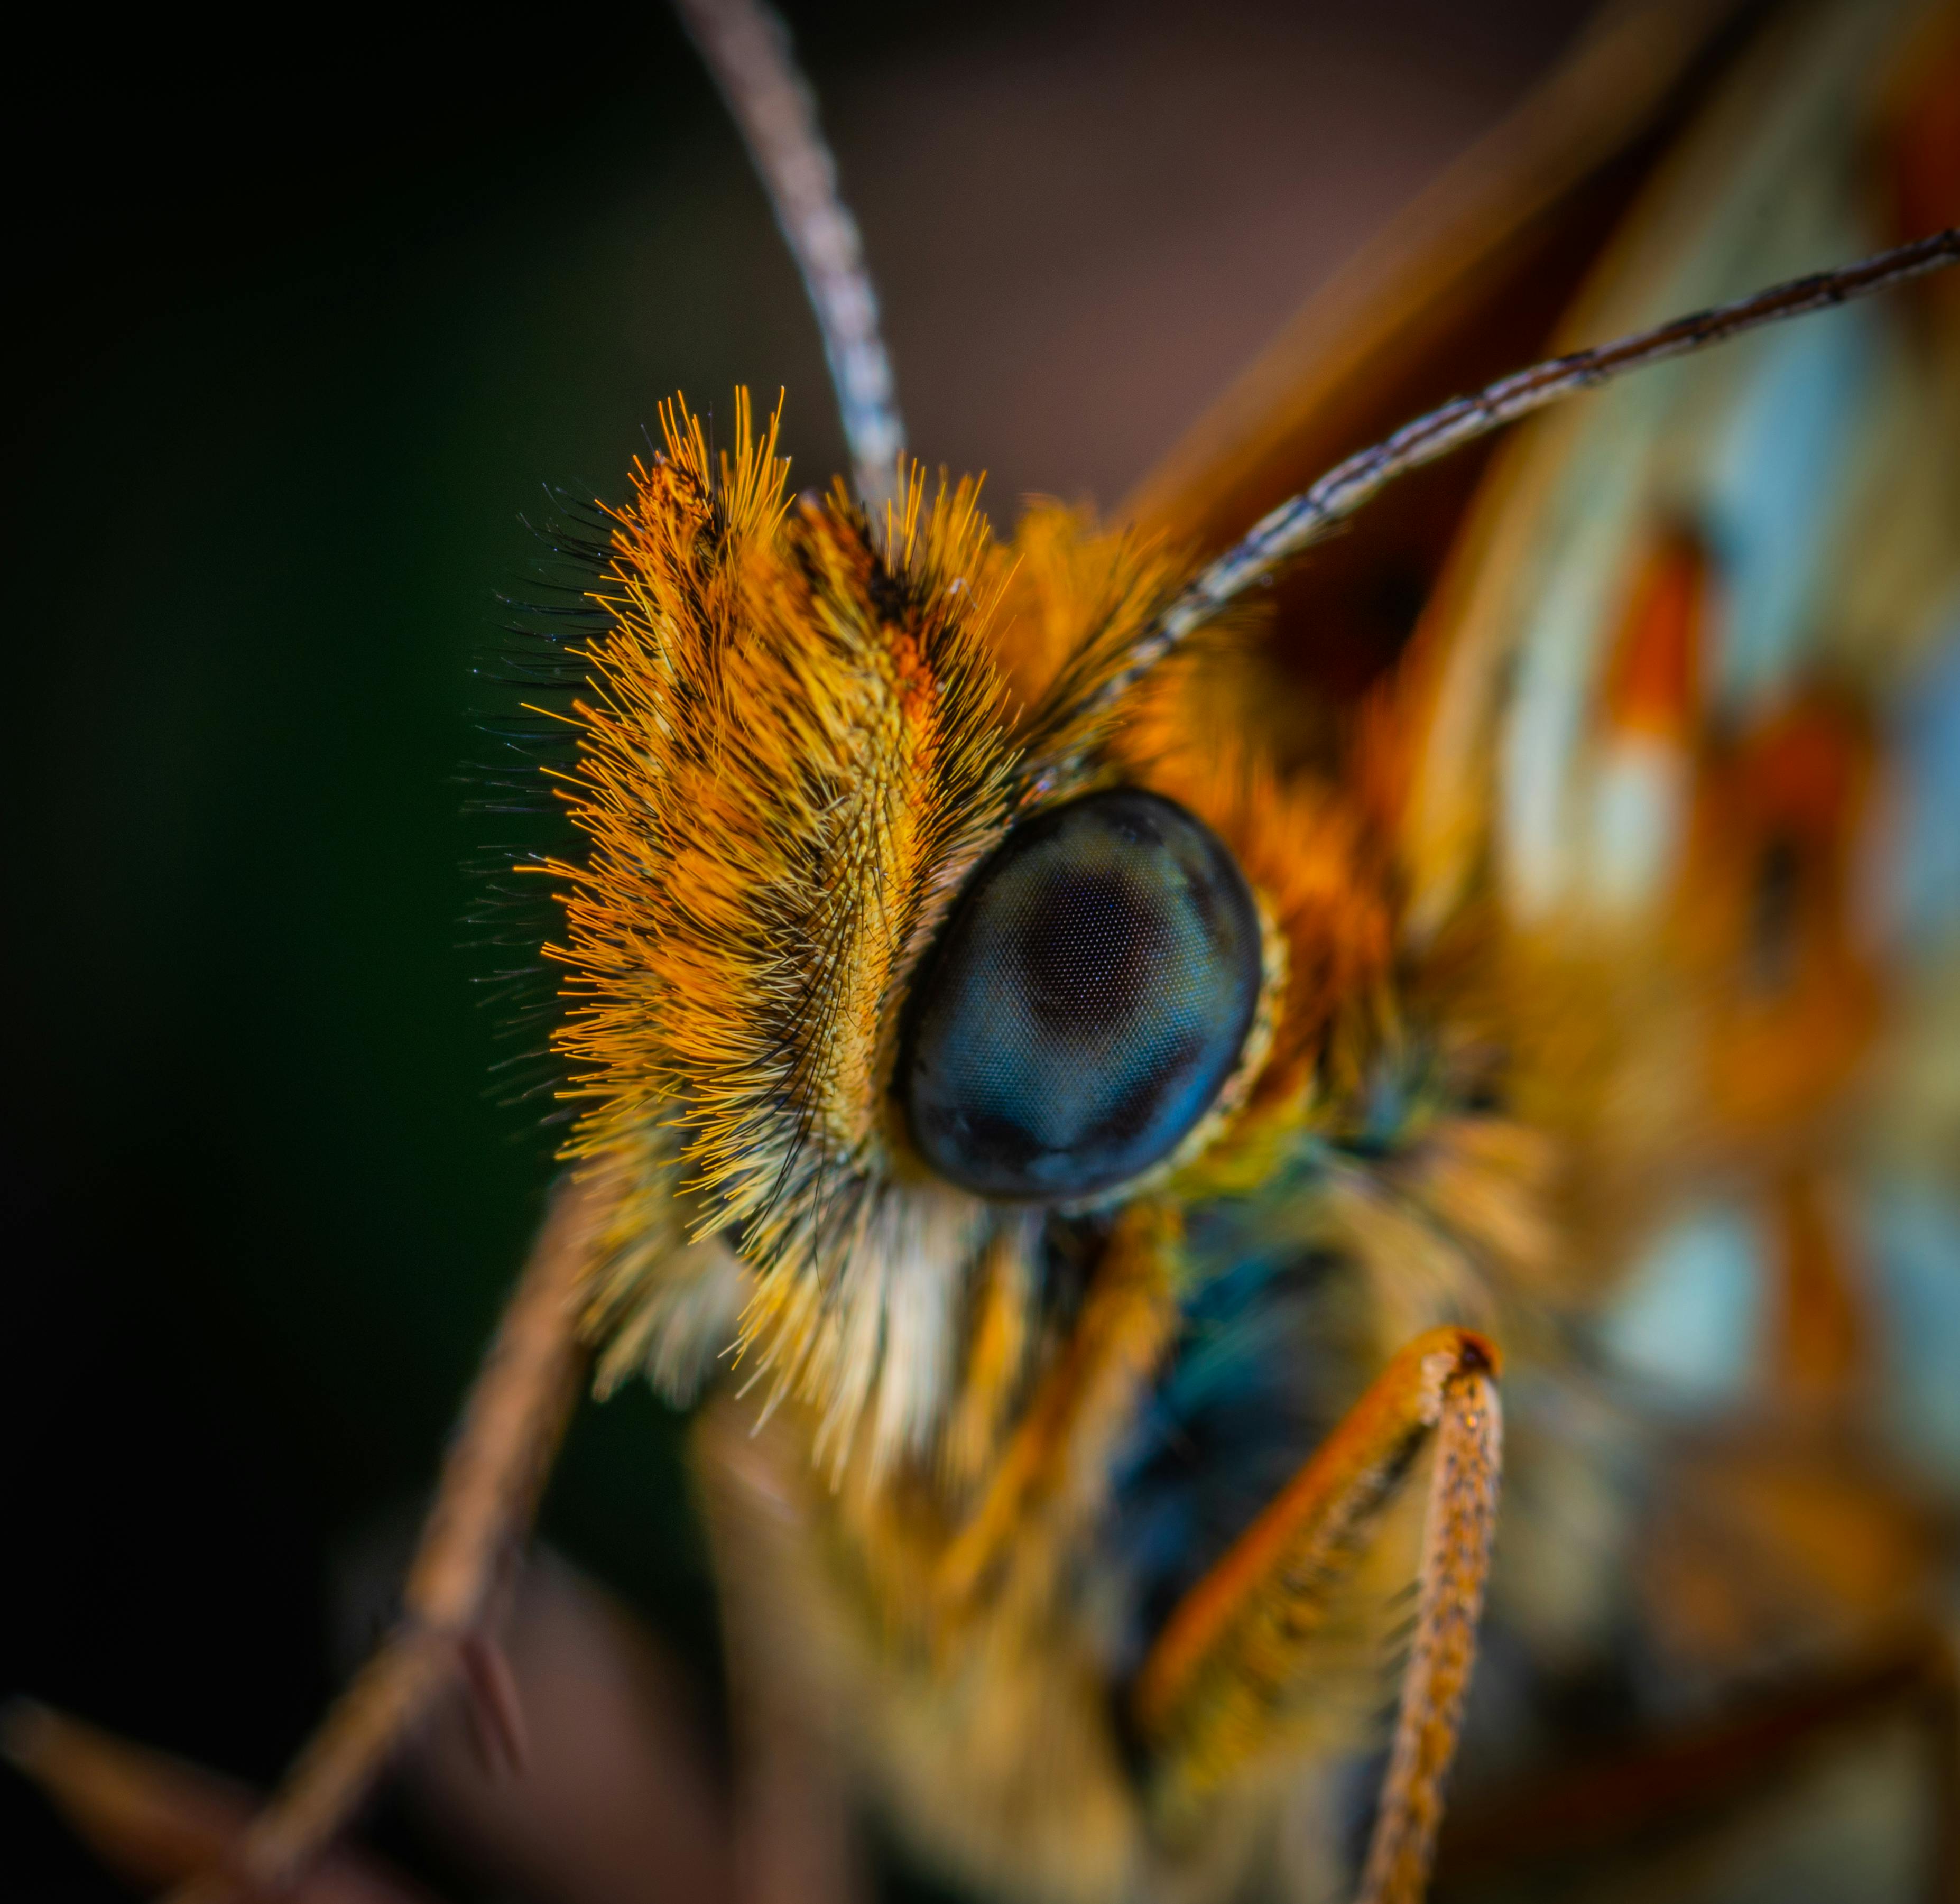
303	337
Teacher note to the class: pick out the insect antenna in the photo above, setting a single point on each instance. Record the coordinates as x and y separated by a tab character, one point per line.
746	46
1303	519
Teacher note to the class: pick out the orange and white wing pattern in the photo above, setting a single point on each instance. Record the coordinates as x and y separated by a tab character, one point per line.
1684	715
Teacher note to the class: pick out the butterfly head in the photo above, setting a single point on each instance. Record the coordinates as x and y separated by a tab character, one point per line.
905	919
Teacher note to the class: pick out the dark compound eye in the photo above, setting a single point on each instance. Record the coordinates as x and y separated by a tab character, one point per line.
1085	1002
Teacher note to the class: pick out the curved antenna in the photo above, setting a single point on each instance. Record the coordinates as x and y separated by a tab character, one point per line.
1306	518
746	46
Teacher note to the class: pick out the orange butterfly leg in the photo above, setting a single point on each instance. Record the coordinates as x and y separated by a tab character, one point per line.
1455	1561
1213	1689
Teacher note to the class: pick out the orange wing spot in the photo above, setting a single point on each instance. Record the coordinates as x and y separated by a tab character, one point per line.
1654	682
1820	1327
1770	907
1805	772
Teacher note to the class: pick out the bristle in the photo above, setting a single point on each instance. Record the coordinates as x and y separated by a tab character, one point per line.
534	656
792	751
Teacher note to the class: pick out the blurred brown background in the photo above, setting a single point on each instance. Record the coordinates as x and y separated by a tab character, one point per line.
303	333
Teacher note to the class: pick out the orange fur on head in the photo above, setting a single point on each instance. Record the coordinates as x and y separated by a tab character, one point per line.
793	754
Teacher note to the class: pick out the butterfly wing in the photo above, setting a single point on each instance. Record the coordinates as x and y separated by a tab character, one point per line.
1680	726
1672	705
1677	728
1467	284
1811	464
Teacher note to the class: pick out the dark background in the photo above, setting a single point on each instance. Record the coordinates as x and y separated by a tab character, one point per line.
299	335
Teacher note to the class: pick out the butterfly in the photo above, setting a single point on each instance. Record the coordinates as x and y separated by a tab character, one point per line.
1088	1135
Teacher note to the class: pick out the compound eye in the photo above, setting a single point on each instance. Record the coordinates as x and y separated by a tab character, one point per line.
1085	1002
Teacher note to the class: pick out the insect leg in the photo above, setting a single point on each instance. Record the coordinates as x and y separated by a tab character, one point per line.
149	1817
492	1478
1213	1690
1455	1561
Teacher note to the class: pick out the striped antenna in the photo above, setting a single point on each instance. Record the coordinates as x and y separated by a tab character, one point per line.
1306	518
746	47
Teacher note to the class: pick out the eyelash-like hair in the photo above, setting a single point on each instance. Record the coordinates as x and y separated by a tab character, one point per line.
526	679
